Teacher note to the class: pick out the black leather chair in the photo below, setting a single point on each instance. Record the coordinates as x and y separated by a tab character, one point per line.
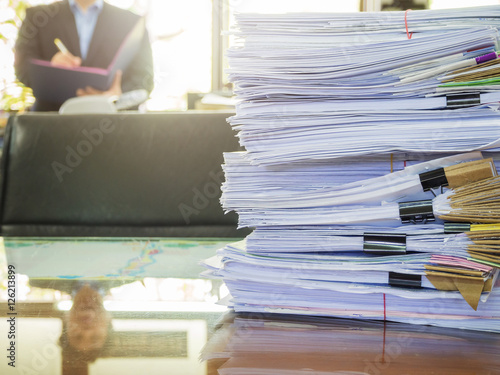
117	175
131	191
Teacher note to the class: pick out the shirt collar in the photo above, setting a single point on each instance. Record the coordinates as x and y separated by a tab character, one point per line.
98	4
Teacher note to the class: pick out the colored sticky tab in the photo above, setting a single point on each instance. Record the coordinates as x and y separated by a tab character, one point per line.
467	173
470	288
484	227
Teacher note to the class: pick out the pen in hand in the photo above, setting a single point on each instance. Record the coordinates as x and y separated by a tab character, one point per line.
64	57
61	46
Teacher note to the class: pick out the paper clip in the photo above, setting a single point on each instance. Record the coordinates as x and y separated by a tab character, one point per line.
416	211
405	280
384	243
433	179
462	100
450	227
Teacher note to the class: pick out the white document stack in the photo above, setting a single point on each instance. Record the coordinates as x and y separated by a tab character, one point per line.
369	174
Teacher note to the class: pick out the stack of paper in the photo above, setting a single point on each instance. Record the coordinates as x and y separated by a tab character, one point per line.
329	106
303	79
311	185
277	132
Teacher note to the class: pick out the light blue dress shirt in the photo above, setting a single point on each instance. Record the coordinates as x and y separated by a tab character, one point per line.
85	23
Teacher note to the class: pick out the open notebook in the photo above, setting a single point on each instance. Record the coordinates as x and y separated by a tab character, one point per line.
57	84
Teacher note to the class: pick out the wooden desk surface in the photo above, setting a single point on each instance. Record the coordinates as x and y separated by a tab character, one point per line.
289	345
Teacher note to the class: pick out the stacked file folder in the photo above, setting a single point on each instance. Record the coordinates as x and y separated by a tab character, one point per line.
369	174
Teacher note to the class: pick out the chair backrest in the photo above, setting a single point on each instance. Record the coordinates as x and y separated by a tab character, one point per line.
114	175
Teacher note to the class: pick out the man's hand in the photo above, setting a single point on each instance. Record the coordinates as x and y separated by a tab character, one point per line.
66	59
114	90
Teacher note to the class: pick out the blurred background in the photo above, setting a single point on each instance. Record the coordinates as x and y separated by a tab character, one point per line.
188	40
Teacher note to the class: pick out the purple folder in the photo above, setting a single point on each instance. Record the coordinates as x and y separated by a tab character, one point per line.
57	83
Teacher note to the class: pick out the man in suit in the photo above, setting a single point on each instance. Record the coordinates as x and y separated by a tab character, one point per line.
92	31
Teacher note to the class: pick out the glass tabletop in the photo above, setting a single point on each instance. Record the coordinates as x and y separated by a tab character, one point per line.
149	311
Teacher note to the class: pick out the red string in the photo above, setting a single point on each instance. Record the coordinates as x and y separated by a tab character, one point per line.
406	25
383	344
385	312
383	347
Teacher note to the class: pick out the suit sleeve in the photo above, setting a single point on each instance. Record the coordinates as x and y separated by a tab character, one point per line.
27	47
140	73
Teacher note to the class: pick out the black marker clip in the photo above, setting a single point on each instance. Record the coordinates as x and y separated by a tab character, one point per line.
416	211
456	227
405	280
433	179
384	243
462	100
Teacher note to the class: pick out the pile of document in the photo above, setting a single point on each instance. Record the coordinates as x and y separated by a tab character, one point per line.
369	174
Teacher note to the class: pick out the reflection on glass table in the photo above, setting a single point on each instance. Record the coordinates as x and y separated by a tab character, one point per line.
138	307
92	306
99	327
87	325
281	344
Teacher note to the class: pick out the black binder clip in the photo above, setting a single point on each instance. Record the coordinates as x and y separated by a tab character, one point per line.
384	243
416	211
433	179
462	100
405	280
450	228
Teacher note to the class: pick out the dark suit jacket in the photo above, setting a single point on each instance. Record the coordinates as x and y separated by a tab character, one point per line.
44	23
